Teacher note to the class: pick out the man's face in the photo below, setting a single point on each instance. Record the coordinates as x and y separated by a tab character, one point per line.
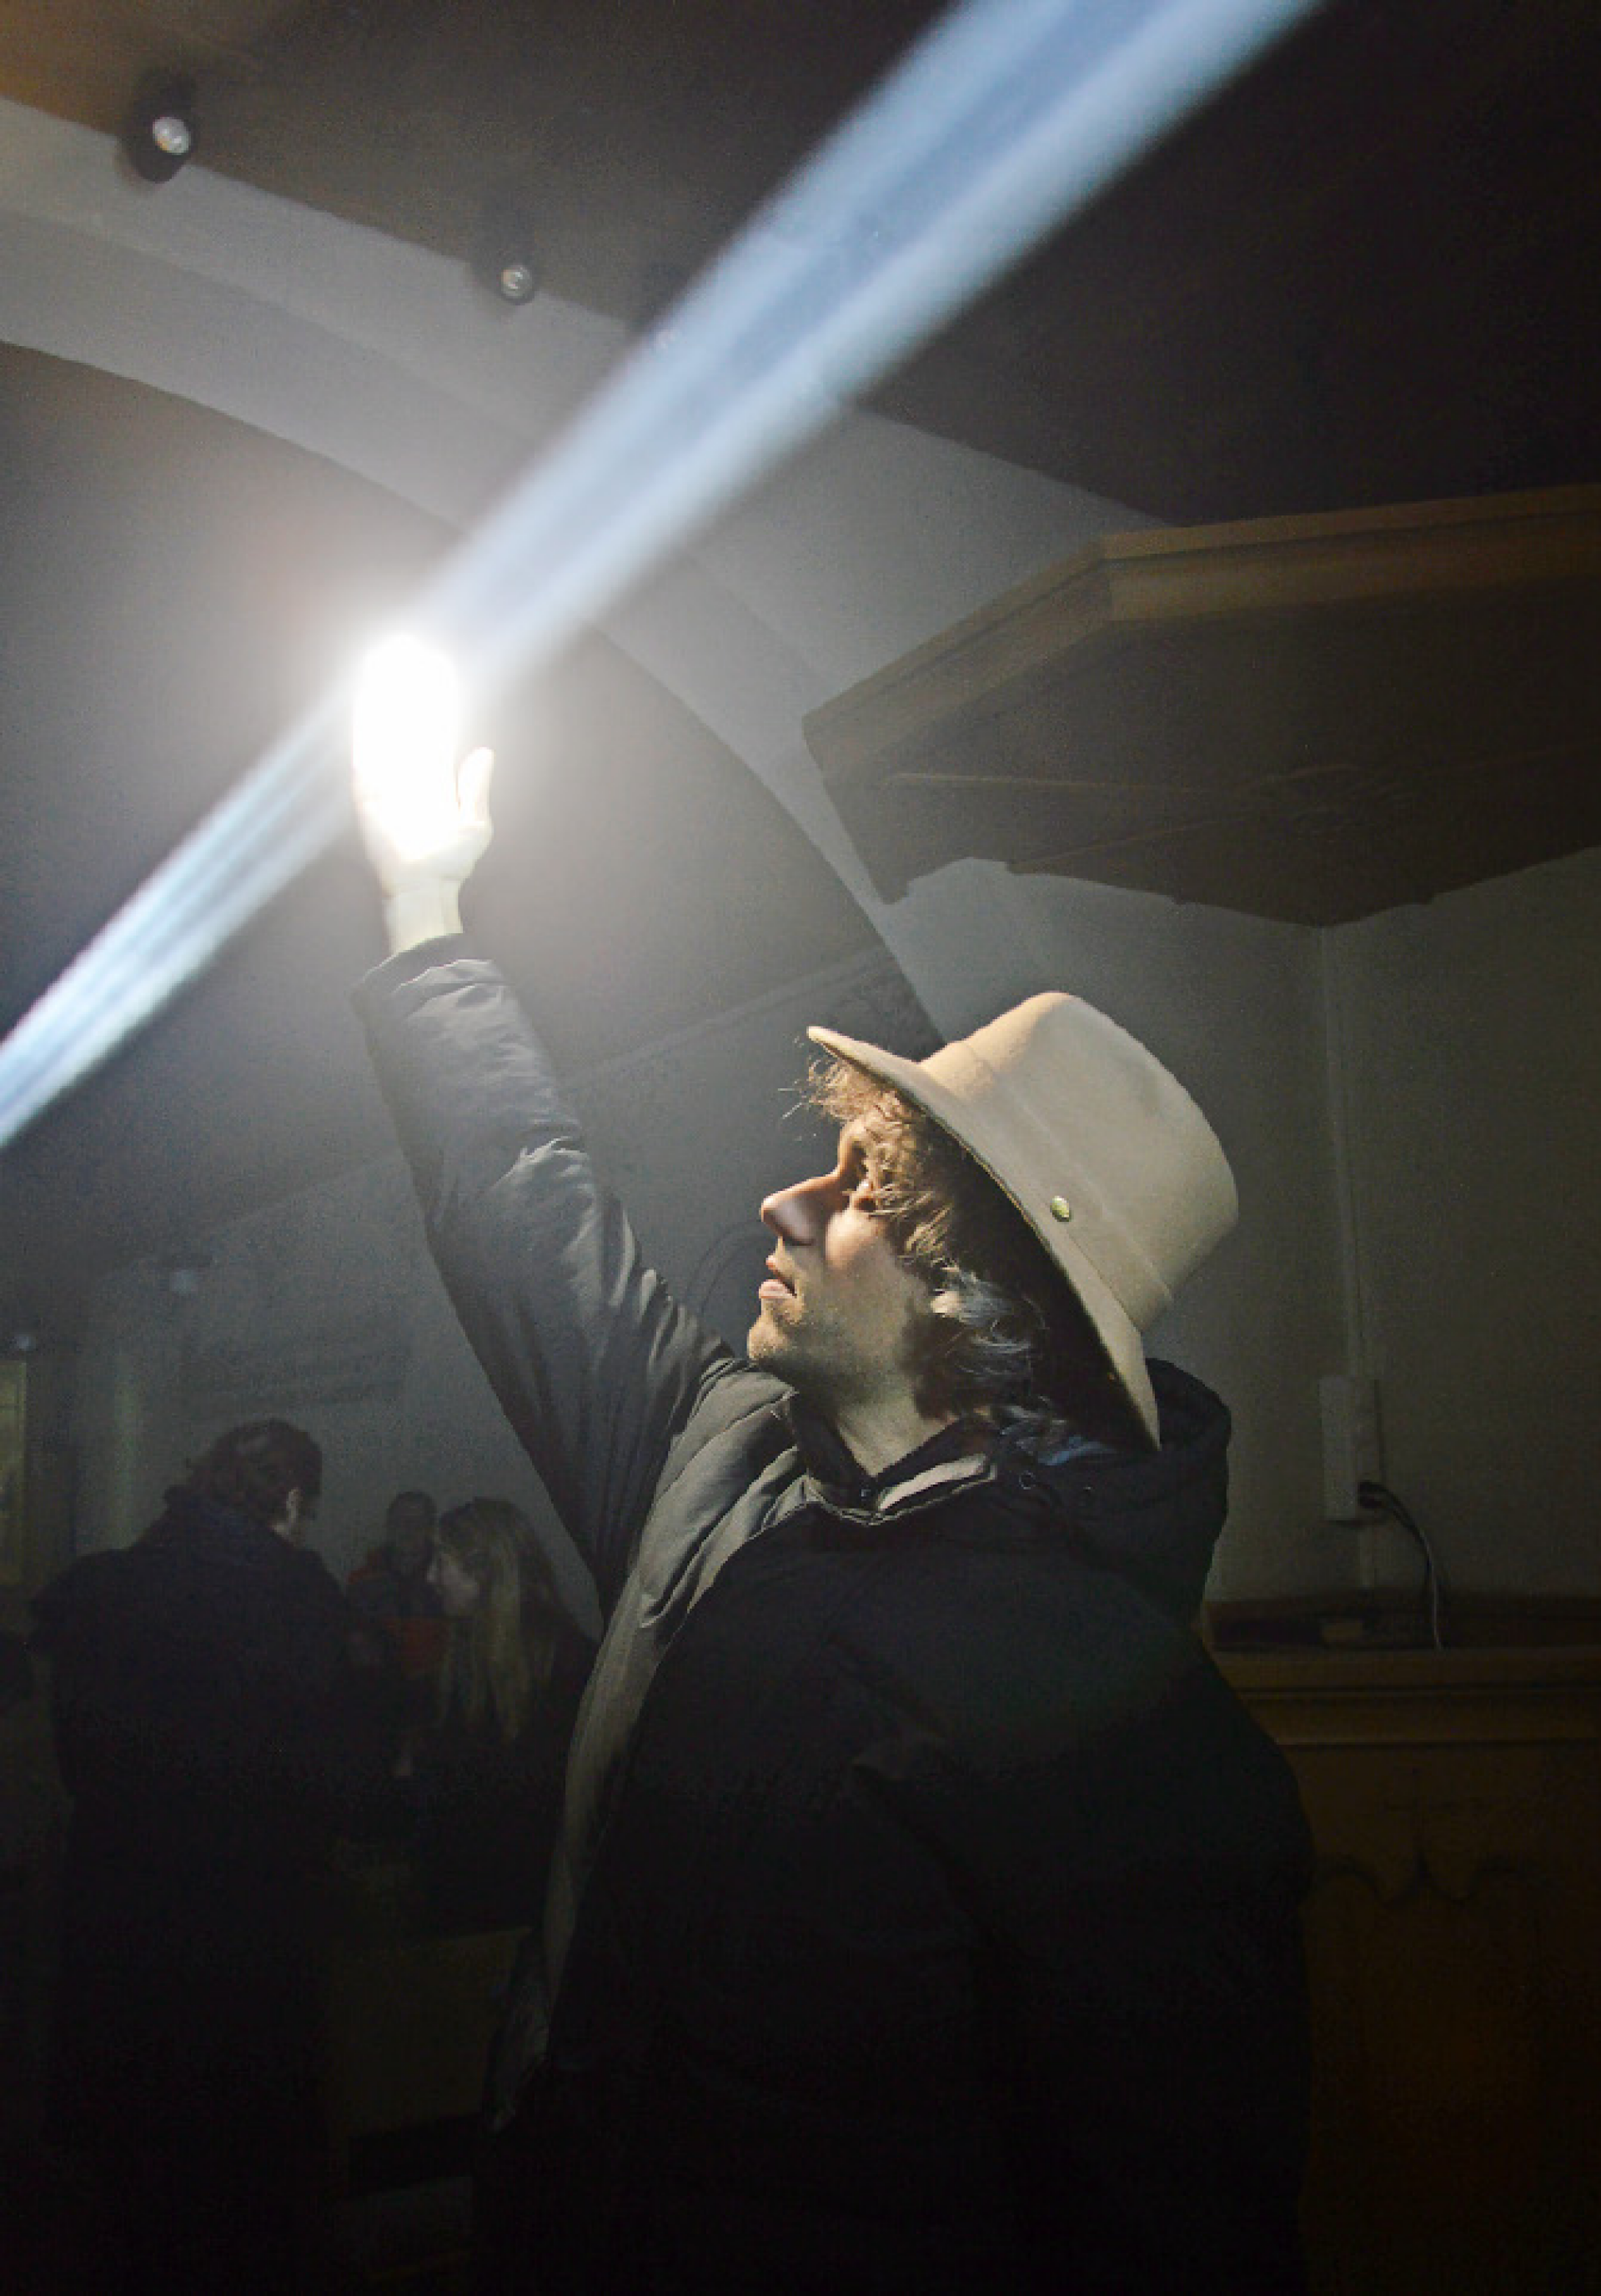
839	1309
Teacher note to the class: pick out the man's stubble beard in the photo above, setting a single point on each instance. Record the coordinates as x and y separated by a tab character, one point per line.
818	1360
769	1346
792	1356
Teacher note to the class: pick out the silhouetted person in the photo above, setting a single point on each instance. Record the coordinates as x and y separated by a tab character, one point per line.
210	1729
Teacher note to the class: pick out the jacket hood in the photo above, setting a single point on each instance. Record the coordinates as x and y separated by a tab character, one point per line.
1153	1516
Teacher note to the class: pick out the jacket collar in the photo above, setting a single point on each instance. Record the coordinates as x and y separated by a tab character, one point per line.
838	1482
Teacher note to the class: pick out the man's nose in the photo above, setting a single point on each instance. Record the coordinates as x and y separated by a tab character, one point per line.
792	1212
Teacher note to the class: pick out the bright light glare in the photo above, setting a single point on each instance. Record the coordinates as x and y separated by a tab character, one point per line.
405	726
1004	118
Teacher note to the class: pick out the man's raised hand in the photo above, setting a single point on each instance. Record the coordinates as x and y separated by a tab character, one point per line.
424	813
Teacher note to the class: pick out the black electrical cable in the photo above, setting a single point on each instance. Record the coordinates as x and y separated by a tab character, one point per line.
1383	1500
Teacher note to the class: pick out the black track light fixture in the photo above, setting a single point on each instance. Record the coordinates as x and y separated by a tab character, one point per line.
158	127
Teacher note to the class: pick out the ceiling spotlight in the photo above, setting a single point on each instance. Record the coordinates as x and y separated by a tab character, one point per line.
504	258
158	131
517	281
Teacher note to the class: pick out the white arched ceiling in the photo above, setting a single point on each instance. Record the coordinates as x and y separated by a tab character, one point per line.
389	360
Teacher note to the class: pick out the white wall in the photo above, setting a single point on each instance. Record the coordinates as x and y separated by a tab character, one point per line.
1473	1087
322	1310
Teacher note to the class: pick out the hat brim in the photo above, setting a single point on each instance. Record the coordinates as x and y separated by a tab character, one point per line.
1114	1327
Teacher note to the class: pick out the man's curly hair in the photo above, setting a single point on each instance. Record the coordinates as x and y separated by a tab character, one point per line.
1006	1337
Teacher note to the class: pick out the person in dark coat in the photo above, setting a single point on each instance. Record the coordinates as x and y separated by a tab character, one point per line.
211	1730
925	1912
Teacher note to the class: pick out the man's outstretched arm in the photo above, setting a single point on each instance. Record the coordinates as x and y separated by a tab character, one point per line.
595	1365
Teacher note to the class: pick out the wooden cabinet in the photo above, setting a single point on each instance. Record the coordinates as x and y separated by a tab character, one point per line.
1454	1946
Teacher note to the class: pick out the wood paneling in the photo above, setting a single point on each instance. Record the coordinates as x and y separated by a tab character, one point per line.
1455	1800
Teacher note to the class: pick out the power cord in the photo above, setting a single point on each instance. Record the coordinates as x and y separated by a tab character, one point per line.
1383	1500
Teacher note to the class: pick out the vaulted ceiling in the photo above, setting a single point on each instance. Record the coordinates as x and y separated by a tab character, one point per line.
1365	273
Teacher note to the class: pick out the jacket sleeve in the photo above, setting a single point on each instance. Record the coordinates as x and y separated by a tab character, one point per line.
596	1366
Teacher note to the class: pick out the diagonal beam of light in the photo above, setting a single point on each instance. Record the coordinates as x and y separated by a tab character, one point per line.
1004	118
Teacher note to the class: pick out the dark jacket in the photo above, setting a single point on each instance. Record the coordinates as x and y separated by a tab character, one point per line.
212	1732
925	1916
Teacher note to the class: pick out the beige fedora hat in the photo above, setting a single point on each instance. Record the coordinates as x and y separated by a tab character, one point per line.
1101	1150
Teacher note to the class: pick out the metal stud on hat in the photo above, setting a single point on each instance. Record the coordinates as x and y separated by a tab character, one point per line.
1099	1147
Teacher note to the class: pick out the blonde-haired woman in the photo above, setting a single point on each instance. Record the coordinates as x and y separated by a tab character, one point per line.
489	1780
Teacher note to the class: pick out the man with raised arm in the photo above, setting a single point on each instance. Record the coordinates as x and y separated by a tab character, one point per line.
925	1912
